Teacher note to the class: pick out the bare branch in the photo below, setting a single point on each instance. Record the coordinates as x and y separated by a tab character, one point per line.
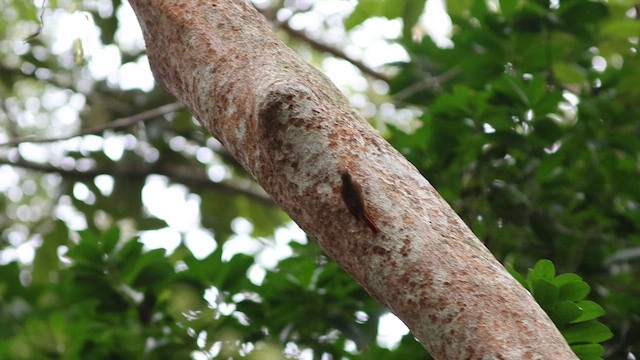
116	124
40	24
298	34
429	82
318	45
184	175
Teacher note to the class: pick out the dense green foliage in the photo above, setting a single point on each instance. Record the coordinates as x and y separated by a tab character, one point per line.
529	128
563	299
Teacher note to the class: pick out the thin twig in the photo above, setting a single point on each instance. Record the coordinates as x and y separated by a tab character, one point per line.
301	35
40	25
116	124
433	82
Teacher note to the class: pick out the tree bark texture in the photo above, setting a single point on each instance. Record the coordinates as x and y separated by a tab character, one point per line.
289	126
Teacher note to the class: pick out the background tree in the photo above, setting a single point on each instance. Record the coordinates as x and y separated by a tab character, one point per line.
528	129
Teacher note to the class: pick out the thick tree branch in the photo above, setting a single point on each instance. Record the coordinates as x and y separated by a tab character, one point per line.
187	176
289	126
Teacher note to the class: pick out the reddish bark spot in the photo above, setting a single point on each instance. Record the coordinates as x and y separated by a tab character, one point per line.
405	249
379	250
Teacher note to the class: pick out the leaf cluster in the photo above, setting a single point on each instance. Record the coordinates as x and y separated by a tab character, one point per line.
108	297
563	298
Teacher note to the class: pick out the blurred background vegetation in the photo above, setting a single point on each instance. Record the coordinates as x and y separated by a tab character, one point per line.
142	239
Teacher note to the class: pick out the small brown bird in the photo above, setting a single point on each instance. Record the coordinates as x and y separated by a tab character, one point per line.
354	199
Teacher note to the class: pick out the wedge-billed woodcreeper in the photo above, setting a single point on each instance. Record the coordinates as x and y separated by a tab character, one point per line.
354	199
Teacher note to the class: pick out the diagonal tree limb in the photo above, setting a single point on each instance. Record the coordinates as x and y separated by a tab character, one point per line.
289	126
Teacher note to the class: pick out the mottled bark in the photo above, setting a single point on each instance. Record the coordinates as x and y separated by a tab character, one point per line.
288	125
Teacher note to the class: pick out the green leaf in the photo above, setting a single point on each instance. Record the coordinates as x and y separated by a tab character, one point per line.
218	210
565	312
26	10
581	17
205	269
409	10
583	12
569	73
234	273
545	293
516	275
357	17
459	8
549	168
364	10
149	270
574	291
590	311
508	7
46	262
10	284
593	331
411	13
536	89
264	218
110	239
543	269
390	9
478	8
588	351
130	252
563	279
228	275
623	28
530	19
87	251
302	272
